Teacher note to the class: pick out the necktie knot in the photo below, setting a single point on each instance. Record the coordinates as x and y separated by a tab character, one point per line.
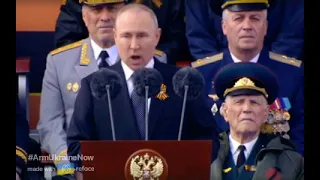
104	55
103	63
241	157
242	148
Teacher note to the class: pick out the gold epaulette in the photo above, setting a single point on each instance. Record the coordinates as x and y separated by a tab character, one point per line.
159	52
21	153
285	59
66	47
207	60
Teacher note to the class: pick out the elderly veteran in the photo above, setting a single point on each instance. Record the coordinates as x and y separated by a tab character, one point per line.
248	90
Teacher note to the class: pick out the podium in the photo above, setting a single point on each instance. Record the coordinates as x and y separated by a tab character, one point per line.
153	160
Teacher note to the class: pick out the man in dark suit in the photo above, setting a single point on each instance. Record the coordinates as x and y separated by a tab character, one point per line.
71	28
136	36
245	26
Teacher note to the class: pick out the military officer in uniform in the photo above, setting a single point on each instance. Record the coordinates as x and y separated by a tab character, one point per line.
245	26
285	27
247	152
71	28
65	68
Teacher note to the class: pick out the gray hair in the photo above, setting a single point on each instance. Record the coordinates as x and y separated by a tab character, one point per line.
225	13
138	8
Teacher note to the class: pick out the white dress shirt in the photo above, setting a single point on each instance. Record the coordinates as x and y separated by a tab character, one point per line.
236	60
112	52
235	151
128	75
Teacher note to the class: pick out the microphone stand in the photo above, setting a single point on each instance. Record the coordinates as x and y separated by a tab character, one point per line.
110	112
186	87
146	112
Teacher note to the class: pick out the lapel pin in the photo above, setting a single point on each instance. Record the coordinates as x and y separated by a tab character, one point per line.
162	95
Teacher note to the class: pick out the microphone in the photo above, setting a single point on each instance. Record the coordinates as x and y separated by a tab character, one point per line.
147	83
106	85
187	84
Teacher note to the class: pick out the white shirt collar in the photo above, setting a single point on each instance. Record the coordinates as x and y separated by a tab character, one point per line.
235	144
236	60
128	72
112	51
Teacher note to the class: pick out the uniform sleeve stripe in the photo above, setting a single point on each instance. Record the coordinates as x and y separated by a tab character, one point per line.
21	155
22	151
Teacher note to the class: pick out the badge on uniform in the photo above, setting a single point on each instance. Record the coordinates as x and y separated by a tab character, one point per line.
214	108
69	86
75	87
83	59
279	116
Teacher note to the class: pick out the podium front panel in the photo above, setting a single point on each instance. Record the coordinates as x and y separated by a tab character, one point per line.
185	160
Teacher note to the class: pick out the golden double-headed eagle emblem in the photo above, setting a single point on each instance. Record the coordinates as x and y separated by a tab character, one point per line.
146	164
146	167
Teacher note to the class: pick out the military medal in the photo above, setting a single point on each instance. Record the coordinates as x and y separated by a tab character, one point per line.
75	87
214	109
286	127
270	119
286	115
278	115
69	86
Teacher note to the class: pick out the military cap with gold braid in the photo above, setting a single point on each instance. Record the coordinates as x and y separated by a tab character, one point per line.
99	2
246	78
245	5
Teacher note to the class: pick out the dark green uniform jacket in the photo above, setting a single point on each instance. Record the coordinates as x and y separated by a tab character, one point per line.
271	158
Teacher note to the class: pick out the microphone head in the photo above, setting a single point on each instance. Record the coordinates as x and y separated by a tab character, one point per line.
101	79
147	77
192	78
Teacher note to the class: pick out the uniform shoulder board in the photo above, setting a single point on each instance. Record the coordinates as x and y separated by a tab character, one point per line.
285	59
66	47
158	52
207	60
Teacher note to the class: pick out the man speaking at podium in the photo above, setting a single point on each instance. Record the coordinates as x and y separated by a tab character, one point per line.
136	36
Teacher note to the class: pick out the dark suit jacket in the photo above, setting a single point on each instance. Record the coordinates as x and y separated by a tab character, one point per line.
268	152
91	120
